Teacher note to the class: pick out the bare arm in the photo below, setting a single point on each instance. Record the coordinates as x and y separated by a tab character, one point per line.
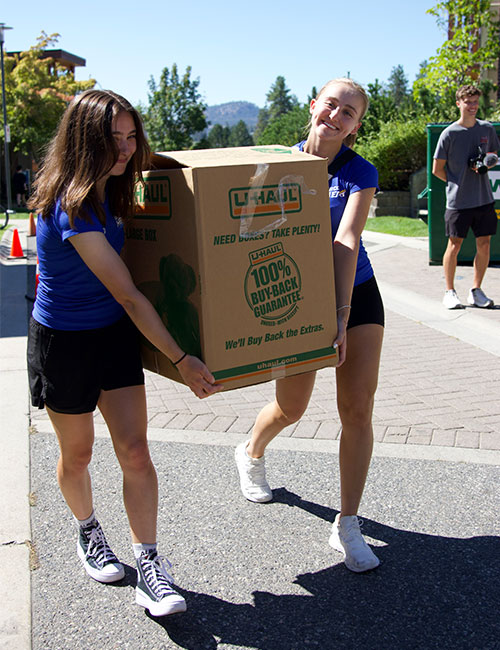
439	168
110	269
345	255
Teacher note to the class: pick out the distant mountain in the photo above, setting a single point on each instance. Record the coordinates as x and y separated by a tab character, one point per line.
231	113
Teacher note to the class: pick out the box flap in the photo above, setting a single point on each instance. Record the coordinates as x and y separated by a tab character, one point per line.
230	156
164	161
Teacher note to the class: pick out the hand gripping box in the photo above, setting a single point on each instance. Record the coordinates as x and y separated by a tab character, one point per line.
234	249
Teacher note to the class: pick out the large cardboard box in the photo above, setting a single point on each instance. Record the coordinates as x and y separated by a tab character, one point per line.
233	248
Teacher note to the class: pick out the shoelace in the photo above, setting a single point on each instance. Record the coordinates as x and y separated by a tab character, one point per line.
98	547
156	574
351	534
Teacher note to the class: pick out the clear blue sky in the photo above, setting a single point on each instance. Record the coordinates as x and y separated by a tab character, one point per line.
235	48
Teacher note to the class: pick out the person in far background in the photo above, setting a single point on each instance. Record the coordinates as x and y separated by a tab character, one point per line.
83	343
336	115
19	186
465	151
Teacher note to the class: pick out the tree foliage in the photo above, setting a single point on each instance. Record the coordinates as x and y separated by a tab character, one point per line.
288	129
279	99
398	86
225	136
218	137
175	111
471	47
397	150
240	135
37	92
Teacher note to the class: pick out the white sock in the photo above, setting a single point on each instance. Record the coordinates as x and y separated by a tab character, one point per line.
140	548
86	522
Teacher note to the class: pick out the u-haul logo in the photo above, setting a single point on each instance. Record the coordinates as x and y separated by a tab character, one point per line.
266	200
152	198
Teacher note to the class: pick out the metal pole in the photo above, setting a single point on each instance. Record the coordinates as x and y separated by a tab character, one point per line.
6	134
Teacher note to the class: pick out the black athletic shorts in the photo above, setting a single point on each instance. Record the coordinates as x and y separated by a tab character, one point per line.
481	220
366	305
68	369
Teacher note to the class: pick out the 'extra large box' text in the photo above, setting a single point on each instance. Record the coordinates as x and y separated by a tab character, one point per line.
233	248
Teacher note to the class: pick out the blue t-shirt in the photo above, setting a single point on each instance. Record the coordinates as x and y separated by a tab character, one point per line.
69	295
355	175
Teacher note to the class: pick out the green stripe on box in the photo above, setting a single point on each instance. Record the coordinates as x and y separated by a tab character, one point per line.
270	364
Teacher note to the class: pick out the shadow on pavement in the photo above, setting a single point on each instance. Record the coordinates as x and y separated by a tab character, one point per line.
429	592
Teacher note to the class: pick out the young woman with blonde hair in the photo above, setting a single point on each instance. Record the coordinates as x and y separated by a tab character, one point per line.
83	346
336	115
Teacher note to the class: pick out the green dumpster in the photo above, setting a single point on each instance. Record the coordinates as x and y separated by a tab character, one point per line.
436	205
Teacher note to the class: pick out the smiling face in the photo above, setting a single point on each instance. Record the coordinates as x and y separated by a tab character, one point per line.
124	134
337	112
468	107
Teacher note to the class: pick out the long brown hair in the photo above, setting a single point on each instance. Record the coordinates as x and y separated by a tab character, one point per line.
84	150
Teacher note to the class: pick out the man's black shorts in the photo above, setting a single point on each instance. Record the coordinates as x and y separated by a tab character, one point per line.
68	369
482	220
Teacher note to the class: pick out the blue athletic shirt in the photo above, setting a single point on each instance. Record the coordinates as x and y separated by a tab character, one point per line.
355	175
69	295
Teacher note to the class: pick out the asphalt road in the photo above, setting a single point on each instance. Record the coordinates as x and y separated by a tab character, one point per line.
263	576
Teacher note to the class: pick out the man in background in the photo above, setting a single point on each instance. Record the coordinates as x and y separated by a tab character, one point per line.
465	151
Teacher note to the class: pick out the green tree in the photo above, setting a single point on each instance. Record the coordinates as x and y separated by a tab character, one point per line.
240	136
262	122
382	109
37	92
397	150
472	46
398	85
288	129
175	111
219	136
279	99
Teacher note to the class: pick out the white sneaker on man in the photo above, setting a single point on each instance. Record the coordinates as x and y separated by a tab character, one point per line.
346	537
252	473
478	298
451	300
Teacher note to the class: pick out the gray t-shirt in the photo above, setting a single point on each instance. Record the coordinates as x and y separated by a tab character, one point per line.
457	144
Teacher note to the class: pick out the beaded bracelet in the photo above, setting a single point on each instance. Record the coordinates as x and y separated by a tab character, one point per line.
179	360
343	307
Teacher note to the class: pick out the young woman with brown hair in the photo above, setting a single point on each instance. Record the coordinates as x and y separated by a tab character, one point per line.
83	347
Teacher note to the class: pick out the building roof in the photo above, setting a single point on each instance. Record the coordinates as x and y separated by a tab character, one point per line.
61	56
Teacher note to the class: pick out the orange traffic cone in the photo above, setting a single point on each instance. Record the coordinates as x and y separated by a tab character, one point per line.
16	250
32	229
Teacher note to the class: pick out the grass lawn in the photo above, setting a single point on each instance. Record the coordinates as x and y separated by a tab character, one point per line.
403	226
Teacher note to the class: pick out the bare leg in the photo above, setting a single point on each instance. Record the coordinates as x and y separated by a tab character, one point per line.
75	434
356	384
450	261
481	260
124	410
292	397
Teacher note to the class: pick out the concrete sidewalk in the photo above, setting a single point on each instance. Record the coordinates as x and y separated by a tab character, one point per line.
437	401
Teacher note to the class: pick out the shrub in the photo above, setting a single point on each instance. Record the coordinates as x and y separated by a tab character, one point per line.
397	150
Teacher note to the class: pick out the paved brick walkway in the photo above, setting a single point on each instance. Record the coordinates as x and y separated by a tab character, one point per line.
434	389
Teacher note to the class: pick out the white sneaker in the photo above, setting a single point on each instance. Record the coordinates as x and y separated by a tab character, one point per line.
346	537
451	300
478	298
252	473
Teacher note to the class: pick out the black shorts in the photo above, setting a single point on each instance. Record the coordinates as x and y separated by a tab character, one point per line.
366	305
68	369
481	220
